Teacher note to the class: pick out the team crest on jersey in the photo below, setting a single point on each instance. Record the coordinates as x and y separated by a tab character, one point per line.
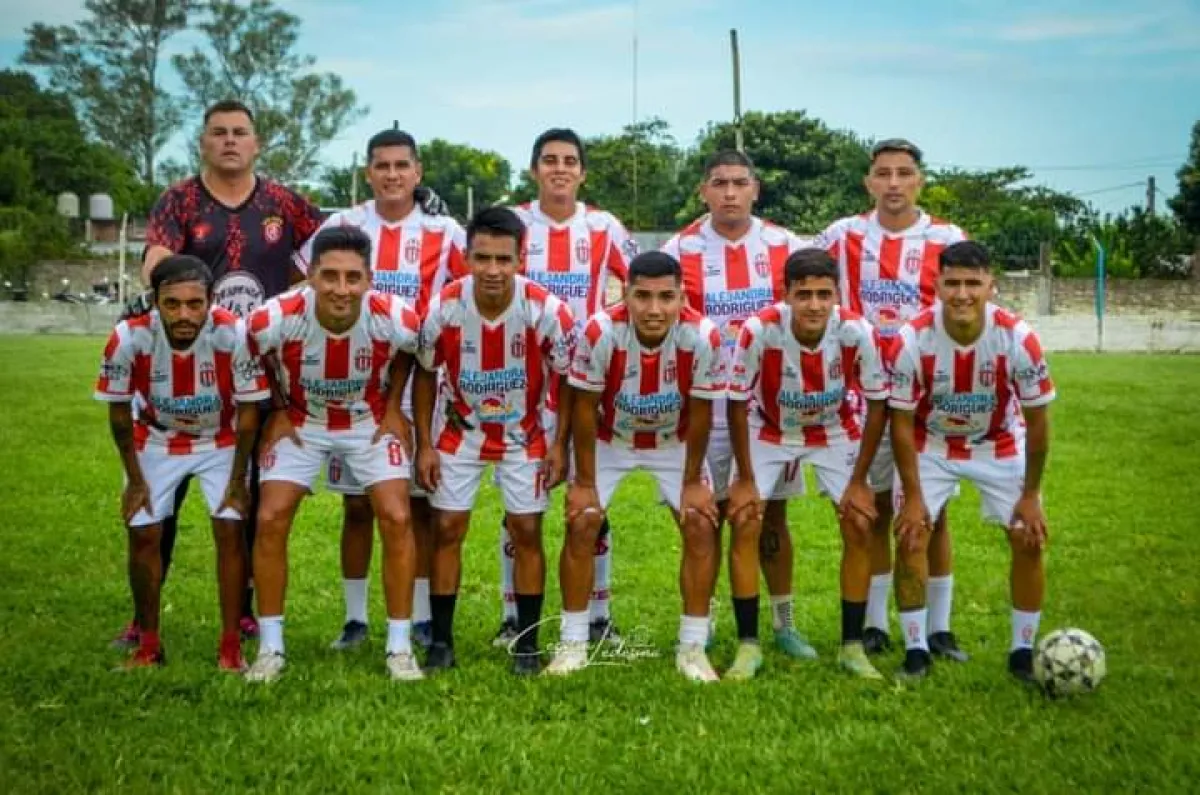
987	376
517	348
583	250
762	265
201	231
362	359
912	262
272	229
208	374
835	369
412	251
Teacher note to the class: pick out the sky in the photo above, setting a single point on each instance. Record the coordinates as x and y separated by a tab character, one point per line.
1093	95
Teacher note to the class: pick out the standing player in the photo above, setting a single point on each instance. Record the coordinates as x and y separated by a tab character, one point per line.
888	260
646	375
965	374
415	254
732	267
186	362
245	228
580	254
344	354
499	338
794	364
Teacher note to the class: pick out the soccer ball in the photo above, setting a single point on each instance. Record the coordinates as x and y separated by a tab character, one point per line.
1068	662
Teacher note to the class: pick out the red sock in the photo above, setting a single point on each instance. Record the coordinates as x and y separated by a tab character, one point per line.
231	640
150	643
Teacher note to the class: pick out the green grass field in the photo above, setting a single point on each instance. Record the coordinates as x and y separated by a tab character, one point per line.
1121	497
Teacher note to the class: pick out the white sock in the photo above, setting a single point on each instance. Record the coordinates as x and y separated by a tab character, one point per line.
914	624
781	613
356	600
270	634
575	627
398	636
877	601
939	596
602	560
420	611
1024	628
693	629
506	575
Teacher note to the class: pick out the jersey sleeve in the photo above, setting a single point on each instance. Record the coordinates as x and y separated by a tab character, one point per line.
747	359
1031	374
593	351
622	248
830	239
249	380
872	378
708	367
115	383
429	344
264	329
406	327
165	226
556	334
456	254
905	390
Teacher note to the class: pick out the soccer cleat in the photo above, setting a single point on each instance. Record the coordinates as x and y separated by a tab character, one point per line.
354	634
944	644
793	643
402	667
853	659
570	657
507	633
422	634
692	662
249	627
229	656
1020	664
917	663
267	667
876	641
603	630
144	658
746	664
440	658
128	638
527	663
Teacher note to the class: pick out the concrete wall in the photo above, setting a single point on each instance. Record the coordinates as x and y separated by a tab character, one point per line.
51	317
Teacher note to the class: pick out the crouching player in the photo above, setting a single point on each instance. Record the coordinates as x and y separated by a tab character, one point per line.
792	368
966	372
344	353
185	363
645	373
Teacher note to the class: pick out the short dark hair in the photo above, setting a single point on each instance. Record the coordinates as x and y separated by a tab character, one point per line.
897	145
563	135
180	268
341	238
653	265
728	157
965	254
496	221
228	106
808	263
392	138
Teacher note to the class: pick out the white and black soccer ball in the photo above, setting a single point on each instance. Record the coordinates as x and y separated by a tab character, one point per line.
1069	662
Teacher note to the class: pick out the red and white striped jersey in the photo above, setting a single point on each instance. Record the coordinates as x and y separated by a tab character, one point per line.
888	277
333	381
574	259
727	281
643	402
495	372
798	394
966	399
412	258
185	398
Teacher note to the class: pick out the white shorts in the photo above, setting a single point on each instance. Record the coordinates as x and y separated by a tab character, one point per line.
1000	483
613	463
521	485
773	463
883	468
367	463
720	464
164	473
340	480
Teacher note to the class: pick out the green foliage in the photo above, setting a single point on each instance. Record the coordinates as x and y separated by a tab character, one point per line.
29	236
635	175
1136	244
249	55
1186	204
449	168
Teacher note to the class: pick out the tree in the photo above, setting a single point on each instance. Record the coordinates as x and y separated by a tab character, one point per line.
337	187
810	174
449	168
635	175
1186	204
108	64
251	57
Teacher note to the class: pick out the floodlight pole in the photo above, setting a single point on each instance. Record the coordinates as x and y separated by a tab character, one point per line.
737	91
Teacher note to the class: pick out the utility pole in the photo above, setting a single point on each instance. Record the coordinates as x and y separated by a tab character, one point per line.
1150	191
737	91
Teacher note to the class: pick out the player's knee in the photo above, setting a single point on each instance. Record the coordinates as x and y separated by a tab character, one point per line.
358	515
525	531
699	537
1023	554
450	529
583	534
145	540
228	535
748	532
394	517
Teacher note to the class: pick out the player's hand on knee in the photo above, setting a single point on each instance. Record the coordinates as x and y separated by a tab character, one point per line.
429	202
277	427
583	504
912	525
1028	522
429	469
857	500
697	498
134	498
744	504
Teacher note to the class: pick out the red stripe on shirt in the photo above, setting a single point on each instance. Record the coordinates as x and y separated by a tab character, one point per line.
492	355
778	256
431	261
770	371
922	396
854	249
692	265
599	250
930	267
812	373
612	387
558	250
737	268
536	376
291	357
183	375
890	249
223	360
648	384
